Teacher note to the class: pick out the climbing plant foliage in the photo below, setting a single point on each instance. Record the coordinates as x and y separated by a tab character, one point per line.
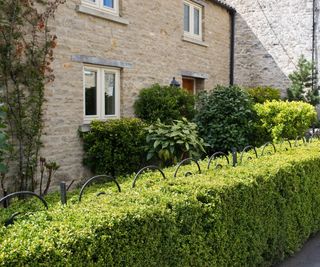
26	53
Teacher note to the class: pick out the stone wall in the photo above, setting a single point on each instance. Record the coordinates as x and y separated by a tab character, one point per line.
271	35
151	44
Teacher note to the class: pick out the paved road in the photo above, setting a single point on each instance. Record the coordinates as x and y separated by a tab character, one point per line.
309	256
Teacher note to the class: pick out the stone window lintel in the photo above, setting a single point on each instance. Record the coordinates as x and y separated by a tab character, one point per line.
196	75
101	61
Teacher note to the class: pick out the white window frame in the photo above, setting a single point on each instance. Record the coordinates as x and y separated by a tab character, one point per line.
100	93
98	5
192	7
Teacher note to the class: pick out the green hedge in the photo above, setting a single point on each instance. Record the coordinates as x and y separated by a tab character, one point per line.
251	215
283	119
262	94
115	147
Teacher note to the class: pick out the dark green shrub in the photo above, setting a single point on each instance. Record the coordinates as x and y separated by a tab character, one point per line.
301	88
175	142
262	94
252	215
283	119
165	103
259	135
115	147
225	117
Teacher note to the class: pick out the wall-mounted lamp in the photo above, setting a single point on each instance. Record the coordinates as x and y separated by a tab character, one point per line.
175	83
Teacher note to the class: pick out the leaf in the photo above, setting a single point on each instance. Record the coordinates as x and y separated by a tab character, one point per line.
150	155
165	144
156	143
3	168
166	154
187	146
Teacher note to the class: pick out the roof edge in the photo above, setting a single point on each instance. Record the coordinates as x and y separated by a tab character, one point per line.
224	5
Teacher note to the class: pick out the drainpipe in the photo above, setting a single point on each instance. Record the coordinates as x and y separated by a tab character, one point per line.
232	44
313	44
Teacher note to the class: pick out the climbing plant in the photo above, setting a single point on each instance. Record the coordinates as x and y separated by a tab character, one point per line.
26	53
4	149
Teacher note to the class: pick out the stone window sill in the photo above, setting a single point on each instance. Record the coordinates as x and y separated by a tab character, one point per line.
86	125
100	14
84	128
194	41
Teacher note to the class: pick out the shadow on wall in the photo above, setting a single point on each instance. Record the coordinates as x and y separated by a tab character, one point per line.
254	66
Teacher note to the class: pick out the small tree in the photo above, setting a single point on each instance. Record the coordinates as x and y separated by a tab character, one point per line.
301	88
26	52
225	118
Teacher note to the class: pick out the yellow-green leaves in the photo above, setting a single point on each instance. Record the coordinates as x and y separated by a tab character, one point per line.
250	215
285	119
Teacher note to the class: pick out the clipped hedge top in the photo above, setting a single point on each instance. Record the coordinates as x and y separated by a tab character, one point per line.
61	228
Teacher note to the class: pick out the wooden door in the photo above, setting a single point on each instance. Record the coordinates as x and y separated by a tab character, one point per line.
188	84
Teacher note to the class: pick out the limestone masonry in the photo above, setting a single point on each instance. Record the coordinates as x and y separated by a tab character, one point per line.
142	42
271	35
146	43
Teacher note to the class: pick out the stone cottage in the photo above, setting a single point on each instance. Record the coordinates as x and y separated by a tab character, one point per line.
108	50
270	36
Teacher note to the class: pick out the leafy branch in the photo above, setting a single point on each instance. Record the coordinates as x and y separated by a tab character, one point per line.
26	53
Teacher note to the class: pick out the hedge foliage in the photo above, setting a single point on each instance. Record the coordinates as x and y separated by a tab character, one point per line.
283	119
165	103
115	147
262	94
251	215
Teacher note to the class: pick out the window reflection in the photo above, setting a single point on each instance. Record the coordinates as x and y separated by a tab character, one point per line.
109	92
90	92
108	3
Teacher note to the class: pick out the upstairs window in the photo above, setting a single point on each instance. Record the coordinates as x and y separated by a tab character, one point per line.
110	6
192	20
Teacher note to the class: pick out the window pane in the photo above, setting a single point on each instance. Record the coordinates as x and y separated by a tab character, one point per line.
110	93
196	21
186	18
108	3
90	92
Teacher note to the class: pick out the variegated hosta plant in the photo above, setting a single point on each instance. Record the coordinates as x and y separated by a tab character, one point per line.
171	143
